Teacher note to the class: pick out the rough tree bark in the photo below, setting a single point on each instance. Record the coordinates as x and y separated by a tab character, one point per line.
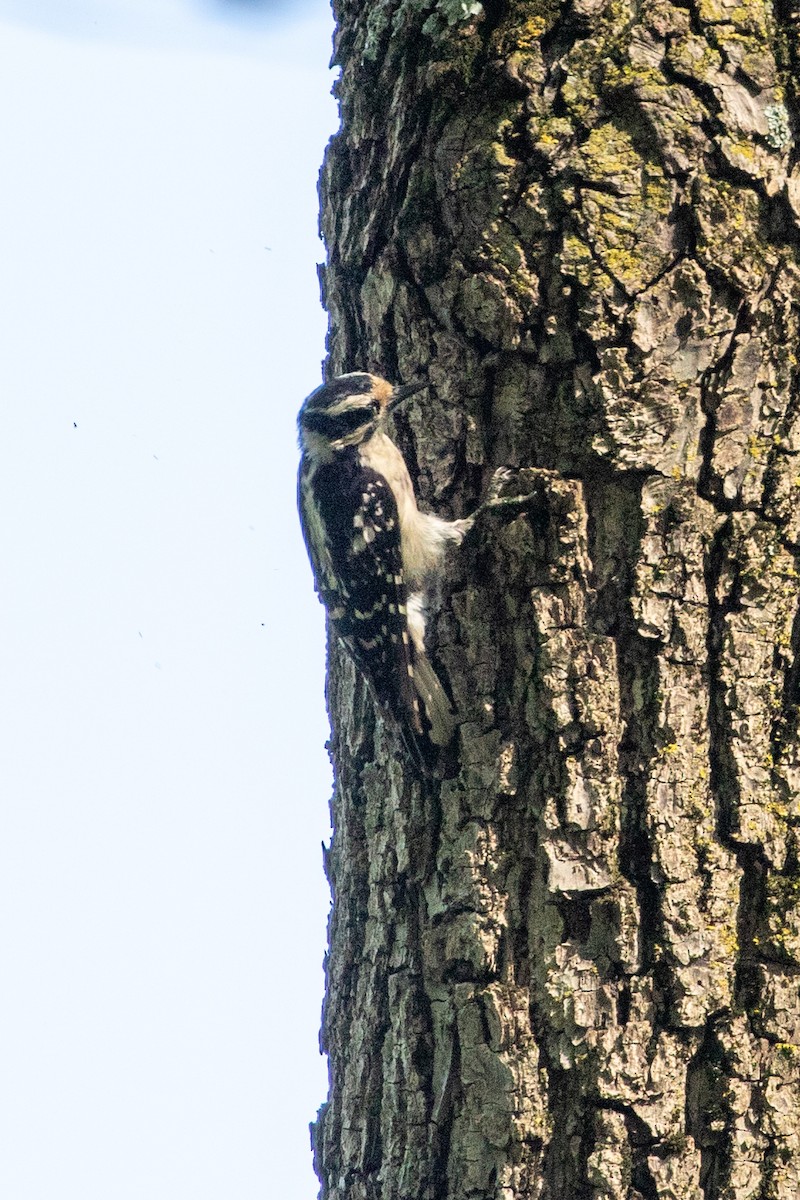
570	969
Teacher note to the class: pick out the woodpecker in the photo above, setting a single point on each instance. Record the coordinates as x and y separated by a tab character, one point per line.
373	553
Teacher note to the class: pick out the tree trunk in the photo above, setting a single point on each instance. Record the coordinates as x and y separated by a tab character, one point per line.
571	969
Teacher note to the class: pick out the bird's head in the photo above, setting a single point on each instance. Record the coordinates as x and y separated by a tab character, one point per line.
346	411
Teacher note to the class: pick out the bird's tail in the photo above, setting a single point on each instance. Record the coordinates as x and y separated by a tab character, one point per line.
438	710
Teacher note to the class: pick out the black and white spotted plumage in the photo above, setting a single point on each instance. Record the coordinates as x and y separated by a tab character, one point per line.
373	552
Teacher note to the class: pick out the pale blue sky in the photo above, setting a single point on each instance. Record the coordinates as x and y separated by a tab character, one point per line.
165	783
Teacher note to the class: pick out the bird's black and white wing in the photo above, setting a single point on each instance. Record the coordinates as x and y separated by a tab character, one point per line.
359	576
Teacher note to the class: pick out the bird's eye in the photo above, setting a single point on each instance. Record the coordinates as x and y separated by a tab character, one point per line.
336	425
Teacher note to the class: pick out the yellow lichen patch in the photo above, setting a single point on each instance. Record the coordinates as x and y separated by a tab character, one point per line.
745	156
648	81
550	134
609	156
730	238
692	55
576	260
623	209
784	915
753	17
750	14
526	21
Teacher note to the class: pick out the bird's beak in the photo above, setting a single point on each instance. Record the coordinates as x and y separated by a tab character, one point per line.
401	394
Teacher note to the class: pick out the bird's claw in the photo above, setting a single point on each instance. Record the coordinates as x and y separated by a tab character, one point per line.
501	476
